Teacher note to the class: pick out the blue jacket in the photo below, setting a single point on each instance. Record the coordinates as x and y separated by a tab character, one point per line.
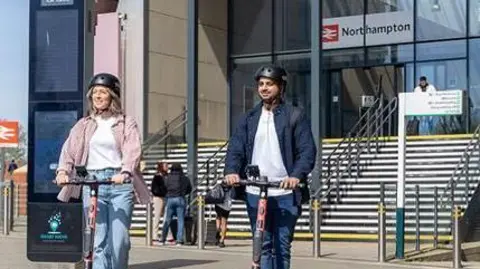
296	144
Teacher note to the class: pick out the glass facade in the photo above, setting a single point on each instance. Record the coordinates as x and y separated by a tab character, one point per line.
363	40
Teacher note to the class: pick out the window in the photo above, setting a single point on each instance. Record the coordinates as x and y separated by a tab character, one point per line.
474	10
474	77
292	24
298	85
382	6
441	50
252	26
244	90
344	58
389	54
444	75
441	19
342	8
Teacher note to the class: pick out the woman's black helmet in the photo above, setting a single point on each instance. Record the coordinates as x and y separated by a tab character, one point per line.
108	80
272	72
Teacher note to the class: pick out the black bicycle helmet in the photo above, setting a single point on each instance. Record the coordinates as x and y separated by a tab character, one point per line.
108	80
272	72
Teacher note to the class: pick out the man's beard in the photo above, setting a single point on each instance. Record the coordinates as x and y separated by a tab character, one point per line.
272	101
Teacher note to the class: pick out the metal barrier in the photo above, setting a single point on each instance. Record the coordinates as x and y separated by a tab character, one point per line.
435	217
148	230
317	220
7	207
457	244
201	221
382	231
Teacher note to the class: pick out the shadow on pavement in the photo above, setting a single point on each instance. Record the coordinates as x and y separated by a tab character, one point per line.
177	263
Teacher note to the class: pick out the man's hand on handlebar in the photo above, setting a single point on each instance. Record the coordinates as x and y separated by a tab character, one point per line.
232	179
61	178
290	183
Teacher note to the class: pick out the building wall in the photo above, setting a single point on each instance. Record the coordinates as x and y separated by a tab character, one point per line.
167	70
133	57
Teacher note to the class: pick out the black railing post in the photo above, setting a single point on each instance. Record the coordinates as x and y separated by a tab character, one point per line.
184	129
435	217
467	179
337	182
417	218
165	142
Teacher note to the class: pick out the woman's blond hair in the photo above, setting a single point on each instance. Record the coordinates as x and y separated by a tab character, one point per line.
115	106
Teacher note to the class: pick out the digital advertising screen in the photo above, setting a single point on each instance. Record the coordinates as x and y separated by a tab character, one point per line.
57	51
51	131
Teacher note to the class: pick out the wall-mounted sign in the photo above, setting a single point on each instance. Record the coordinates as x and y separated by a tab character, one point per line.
378	29
9	133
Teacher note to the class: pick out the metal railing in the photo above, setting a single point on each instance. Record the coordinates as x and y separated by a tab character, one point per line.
207	165
360	142
195	204
7	206
165	132
461	171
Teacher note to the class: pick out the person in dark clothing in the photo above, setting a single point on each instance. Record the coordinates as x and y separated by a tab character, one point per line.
223	211
159	191
178	186
12	167
276	137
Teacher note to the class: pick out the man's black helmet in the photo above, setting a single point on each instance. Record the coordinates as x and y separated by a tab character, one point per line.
272	72
107	80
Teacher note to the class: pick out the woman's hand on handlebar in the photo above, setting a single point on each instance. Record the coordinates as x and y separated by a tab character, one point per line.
119	178
61	178
232	179
290	183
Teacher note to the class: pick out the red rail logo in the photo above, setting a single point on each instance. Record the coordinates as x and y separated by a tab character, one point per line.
330	33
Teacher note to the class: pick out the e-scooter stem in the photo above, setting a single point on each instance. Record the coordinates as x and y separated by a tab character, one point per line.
89	231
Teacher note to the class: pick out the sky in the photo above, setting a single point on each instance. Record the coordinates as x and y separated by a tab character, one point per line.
14	22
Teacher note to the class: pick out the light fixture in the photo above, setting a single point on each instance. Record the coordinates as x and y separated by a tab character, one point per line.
435	5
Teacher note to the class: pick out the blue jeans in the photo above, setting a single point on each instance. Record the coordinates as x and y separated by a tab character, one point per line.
114	215
175	206
282	215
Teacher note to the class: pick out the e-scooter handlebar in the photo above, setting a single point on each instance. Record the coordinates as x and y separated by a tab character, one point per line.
255	183
92	181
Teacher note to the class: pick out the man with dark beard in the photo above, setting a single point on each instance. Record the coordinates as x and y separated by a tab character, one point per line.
278	139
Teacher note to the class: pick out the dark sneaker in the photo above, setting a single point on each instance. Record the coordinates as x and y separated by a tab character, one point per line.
221	244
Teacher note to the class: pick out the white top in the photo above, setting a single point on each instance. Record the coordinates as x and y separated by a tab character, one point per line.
267	155
430	88
103	152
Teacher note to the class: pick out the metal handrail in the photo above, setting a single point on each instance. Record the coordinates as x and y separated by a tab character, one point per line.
377	104
160	135
456	176
352	130
205	176
341	157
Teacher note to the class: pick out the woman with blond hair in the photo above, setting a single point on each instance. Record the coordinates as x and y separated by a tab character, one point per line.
107	143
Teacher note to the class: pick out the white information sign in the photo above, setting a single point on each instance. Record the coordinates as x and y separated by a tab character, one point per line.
434	104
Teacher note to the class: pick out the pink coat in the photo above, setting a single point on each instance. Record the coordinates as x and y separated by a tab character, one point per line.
75	153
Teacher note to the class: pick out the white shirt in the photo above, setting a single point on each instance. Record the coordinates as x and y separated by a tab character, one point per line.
429	88
267	155
103	152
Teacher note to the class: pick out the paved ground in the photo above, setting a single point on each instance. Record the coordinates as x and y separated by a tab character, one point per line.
236	255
